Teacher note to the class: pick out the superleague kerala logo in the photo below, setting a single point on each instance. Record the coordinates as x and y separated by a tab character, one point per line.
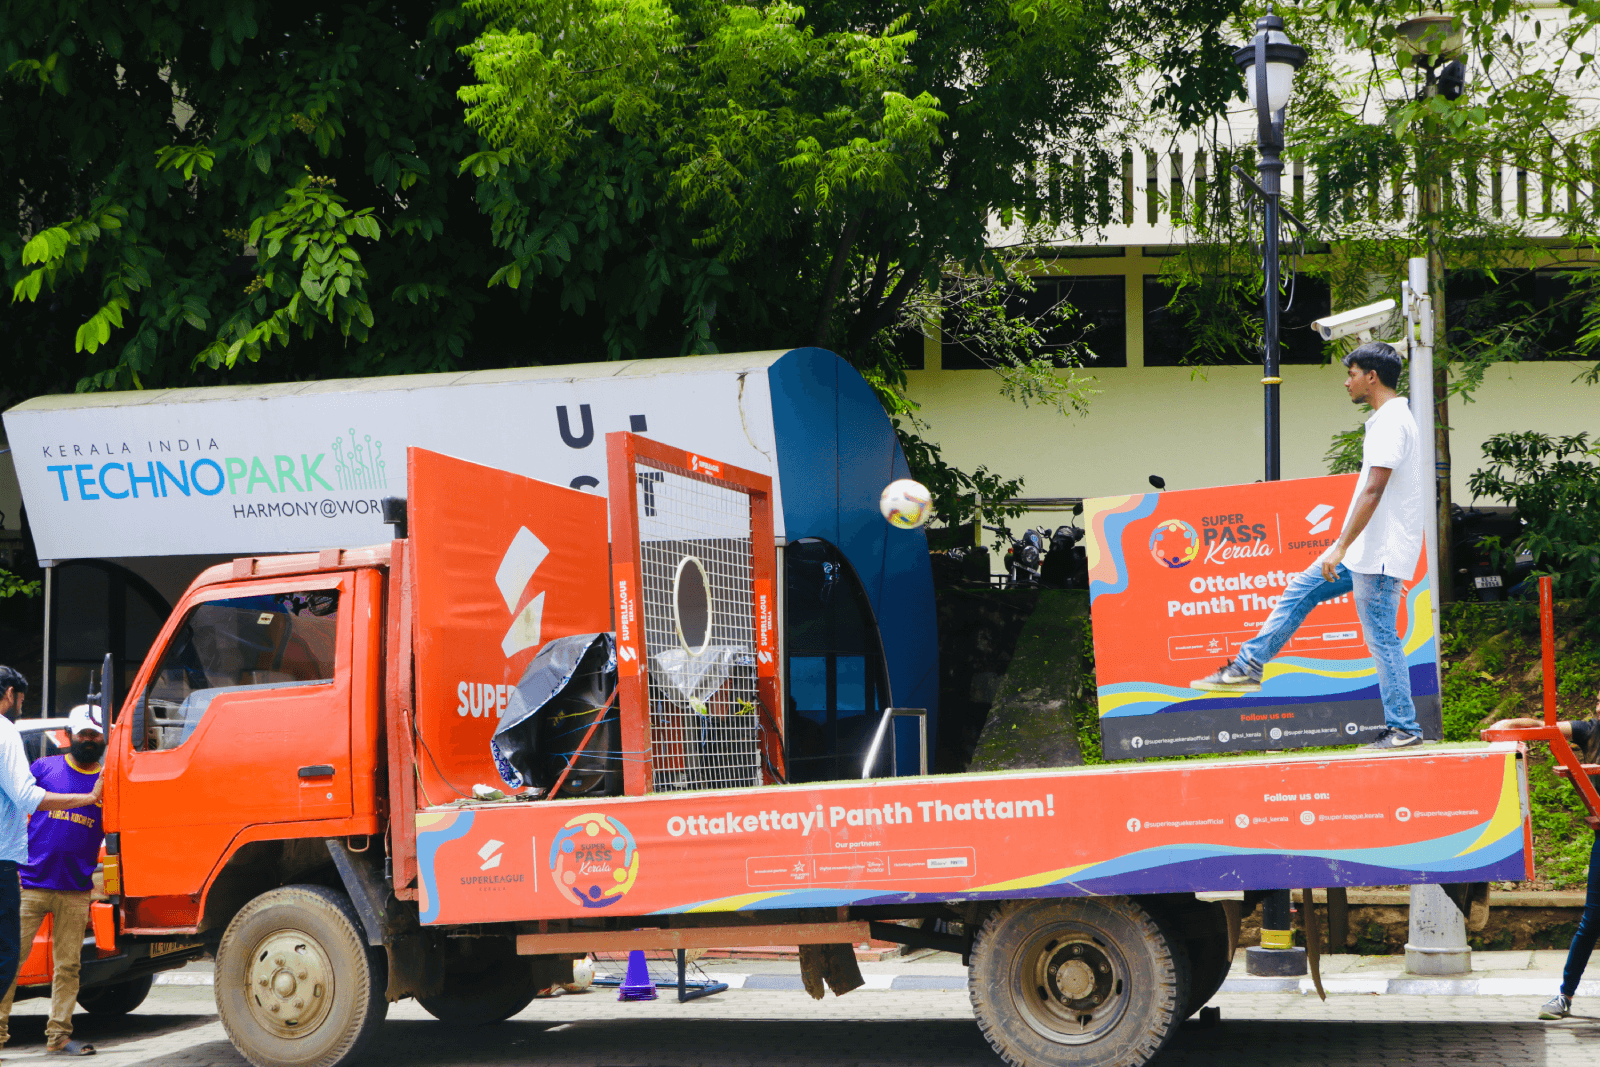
1174	543
594	860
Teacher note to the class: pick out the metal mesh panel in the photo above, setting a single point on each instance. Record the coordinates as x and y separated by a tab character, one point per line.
704	728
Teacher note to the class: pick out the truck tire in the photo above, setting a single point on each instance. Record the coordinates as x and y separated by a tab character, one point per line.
296	983
485	982
117	999
1076	982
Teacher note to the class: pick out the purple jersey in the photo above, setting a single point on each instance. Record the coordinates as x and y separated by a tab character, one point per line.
63	846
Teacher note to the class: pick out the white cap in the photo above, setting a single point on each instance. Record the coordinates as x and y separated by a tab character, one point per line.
85	717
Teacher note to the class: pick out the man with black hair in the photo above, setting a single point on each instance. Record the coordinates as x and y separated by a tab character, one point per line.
1375	553
20	797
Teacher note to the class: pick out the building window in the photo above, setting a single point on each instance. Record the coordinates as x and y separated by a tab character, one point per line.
837	687
98	607
1525	314
1209	325
1100	322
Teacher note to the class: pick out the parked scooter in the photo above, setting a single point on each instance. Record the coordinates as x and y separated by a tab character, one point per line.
1475	534
1067	565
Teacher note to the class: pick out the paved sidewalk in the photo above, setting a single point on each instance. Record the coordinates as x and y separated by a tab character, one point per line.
1525	973
178	1027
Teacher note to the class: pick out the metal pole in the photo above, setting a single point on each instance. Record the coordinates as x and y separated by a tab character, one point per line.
1418	308
45	688
1277	954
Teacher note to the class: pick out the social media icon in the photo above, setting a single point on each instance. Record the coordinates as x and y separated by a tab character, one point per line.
1134	826
1222	736
1403	814
1242	821
1307	818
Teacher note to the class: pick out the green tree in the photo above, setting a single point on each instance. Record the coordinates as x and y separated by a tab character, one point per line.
820	165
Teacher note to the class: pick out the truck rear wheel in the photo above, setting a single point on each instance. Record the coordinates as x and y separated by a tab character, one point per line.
1076	982
296	983
117	999
485	982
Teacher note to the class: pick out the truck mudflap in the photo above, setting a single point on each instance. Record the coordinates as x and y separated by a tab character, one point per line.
1442	815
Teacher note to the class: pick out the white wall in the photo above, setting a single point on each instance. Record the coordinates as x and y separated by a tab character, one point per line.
1199	431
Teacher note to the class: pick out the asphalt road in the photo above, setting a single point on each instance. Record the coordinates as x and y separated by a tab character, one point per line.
178	1027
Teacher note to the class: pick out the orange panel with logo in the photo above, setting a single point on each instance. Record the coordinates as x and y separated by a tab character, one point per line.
503	564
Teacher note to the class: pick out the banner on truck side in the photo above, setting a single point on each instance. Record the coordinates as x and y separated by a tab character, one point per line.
1178	581
1438	815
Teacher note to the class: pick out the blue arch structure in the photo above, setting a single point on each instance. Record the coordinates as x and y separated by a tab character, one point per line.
830	486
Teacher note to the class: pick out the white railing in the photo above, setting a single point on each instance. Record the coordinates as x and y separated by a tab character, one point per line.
1148	196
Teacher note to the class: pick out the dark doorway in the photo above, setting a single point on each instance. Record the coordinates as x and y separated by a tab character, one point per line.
98	607
835	678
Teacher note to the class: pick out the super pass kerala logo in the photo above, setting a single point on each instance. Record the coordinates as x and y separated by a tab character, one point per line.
594	860
1174	543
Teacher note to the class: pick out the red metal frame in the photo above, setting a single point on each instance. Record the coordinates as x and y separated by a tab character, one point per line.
625	454
399	693
1550	733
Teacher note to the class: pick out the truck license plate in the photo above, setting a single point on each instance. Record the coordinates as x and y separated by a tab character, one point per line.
1488	581
167	948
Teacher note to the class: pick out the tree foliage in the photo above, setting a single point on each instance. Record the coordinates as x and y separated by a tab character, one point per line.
832	159
1554	482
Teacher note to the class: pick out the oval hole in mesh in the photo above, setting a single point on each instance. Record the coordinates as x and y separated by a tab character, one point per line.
691	605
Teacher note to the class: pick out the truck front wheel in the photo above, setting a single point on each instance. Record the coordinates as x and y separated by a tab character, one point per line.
296	983
1076	982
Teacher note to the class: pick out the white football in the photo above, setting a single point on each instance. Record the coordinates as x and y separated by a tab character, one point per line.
906	504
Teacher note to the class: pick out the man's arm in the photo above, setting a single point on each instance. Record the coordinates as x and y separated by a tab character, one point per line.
68	801
1529	724
1366	504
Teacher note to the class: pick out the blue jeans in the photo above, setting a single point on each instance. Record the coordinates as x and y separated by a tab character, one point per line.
1588	927
10	922
1377	605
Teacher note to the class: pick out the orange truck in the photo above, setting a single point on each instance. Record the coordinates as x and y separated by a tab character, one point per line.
324	775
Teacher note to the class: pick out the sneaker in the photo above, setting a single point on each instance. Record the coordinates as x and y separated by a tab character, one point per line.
1557	1007
1228	680
1391	738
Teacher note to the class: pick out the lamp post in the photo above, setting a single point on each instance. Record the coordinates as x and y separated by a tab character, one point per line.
1269	62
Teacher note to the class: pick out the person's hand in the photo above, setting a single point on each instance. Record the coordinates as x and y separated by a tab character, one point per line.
99	786
1330	560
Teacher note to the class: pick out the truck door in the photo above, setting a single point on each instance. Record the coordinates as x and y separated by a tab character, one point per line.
245	720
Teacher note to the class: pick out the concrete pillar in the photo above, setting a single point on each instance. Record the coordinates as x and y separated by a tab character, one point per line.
1438	936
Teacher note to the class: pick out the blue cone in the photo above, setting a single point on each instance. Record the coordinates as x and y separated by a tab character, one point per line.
638	985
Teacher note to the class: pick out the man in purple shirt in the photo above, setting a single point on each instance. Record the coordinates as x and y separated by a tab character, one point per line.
58	879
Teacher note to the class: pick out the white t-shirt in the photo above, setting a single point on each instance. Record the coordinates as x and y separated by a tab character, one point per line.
20	794
1392	539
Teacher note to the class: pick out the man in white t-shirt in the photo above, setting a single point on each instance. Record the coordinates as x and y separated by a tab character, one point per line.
1374	555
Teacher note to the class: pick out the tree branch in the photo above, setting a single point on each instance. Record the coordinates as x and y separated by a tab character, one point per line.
830	289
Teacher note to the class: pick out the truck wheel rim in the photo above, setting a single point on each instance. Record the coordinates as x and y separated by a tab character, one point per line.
291	984
1070	984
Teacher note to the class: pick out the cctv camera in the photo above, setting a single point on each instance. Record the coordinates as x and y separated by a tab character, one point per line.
1361	320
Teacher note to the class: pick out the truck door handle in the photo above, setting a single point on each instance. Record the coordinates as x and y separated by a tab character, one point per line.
317	770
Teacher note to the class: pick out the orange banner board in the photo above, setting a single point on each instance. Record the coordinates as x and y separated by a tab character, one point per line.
1440	815
503	565
1178	581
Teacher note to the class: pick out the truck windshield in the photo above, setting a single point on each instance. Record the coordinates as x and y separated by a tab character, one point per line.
259	642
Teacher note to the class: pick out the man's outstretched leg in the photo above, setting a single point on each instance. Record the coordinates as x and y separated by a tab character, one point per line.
1377	599
1305	591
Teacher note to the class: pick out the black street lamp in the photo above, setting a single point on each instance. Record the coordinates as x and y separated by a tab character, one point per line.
1269	62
